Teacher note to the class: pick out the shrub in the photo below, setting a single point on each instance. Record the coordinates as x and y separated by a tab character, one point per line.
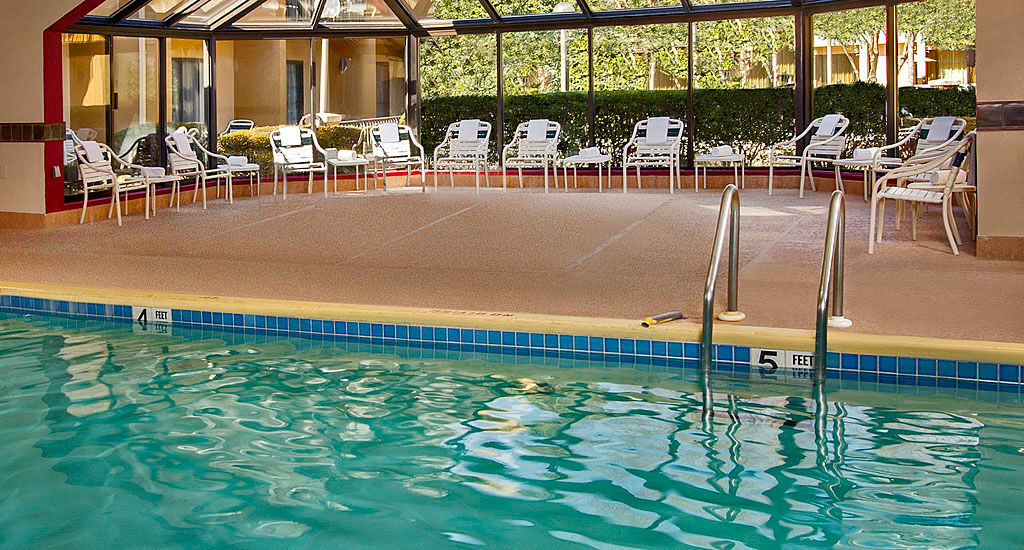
924	102
255	143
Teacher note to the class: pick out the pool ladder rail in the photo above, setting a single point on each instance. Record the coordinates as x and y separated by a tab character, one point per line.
832	267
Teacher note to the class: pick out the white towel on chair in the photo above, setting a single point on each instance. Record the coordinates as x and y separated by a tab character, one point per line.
389	132
537	130
590	152
468	129
657	130
828	125
866	153
153	171
93	153
941	128
346	154
238	160
939	177
721	151
182	144
291	136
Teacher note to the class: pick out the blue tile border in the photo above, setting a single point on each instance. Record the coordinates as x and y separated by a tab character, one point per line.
556	348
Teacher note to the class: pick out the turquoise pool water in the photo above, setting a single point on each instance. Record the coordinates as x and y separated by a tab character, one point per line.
212	439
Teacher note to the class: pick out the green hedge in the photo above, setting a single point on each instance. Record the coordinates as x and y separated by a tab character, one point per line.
255	143
924	102
861	102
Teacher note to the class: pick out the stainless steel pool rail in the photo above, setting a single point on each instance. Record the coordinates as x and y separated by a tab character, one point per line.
831	273
729	212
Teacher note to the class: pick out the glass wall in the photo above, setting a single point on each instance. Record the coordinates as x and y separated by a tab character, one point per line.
188	82
365	78
546	75
936	60
136	100
266	81
849	48
639	72
744	72
458	80
87	81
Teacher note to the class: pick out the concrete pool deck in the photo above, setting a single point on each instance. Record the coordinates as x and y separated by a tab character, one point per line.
581	254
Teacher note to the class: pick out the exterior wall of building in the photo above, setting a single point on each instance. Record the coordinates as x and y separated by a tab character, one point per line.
23	172
1000	144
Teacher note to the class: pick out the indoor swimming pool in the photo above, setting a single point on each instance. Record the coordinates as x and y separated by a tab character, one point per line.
199	437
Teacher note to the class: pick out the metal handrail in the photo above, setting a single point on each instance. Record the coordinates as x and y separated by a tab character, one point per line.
728	211
831	272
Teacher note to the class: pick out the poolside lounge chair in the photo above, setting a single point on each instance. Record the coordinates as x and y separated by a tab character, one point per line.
464	146
185	162
826	145
655	142
96	168
393	148
933	134
534	145
237	125
293	148
948	175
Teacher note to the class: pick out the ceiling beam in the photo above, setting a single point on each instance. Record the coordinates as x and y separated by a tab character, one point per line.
491	11
318	14
403	14
239	15
181	14
585	8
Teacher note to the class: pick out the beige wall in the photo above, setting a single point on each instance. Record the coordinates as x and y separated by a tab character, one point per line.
259	81
225	83
1000	153
22	169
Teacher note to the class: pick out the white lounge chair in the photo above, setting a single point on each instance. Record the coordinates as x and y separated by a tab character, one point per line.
96	168
826	145
464	146
185	162
933	134
294	150
534	145
237	125
393	148
947	175
656	142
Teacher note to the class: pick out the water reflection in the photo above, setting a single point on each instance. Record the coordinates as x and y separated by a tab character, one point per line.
267	438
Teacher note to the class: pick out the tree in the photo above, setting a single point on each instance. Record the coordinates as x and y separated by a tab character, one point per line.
862	26
944	24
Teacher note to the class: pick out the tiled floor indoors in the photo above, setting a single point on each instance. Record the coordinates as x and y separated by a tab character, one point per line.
580	253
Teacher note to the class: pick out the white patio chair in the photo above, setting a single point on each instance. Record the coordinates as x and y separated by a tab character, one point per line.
534	145
185	162
96	169
933	134
393	147
945	168
655	142
237	125
294	150
235	164
464	146
826	145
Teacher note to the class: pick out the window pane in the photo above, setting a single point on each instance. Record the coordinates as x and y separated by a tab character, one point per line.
849	72
213	11
252	79
365	78
458	80
532	7
639	72
86	96
348	12
108	7
743	85
602	5
189	83
936	54
297	12
426	11
542	82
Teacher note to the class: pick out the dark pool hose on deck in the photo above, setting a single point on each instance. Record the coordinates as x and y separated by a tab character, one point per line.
663	318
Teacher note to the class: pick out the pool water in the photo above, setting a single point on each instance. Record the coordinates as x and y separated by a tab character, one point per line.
209	439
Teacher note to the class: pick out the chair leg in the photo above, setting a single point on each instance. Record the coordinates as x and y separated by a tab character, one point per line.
639	182
546	177
871	228
624	171
810	175
771	177
85	204
117	204
913	222
803	170
881	220
952	222
423	178
487	173
203	180
946	225
520	178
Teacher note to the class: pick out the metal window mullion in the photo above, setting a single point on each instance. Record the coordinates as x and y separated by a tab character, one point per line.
690	115
211	103
804	88
492	12
238	16
183	12
591	97
500	115
126	11
318	14
161	126
892	96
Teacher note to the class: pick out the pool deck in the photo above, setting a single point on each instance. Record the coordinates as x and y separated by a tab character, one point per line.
579	254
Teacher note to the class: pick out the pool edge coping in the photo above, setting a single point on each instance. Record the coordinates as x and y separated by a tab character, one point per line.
683	331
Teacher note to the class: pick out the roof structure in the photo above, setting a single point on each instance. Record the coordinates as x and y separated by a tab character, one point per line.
303	18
